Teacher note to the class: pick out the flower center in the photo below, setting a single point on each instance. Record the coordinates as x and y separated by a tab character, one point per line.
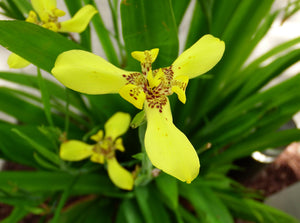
152	85
49	19
105	147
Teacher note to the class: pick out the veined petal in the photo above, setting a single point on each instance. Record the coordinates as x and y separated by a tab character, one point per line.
121	177
75	150
117	125
87	73
43	6
79	21
200	57
168	148
15	61
133	94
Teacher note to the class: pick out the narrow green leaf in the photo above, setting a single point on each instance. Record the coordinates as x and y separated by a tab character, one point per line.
129	212
252	210
45	97
206	204
38	45
168	187
104	36
147	25
198	26
63	200
52	157
17	214
23	6
39	181
151	208
179	9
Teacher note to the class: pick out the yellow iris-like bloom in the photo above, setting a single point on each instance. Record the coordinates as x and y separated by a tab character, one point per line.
48	15
104	150
167	147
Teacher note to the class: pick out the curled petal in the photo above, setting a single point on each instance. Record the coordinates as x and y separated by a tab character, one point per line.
75	150
168	148
87	73
121	177
15	61
199	58
148	56
179	86
79	21
117	125
133	94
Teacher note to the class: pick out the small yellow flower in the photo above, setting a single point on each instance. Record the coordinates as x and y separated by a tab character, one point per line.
46	14
167	147
104	150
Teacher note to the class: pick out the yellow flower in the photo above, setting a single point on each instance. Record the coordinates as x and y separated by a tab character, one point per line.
104	150
48	15
167	147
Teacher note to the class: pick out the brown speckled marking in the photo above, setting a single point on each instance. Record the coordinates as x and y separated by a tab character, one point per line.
155	96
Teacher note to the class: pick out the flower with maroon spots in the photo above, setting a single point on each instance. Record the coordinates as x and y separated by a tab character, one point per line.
167	147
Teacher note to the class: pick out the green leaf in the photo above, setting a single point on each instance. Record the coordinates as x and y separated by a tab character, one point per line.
36	44
168	187
147	25
56	90
104	36
17	214
46	153
129	212
30	113
150	206
45	97
39	181
23	6
138	119
179	9
87	210
252	210
207	205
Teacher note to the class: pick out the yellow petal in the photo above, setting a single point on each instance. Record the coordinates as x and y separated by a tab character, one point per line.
142	56
15	61
57	12
98	136
133	94
43	7
97	158
79	21
32	17
179	86
87	73
117	125
75	150
168	148
119	145
199	58
121	177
